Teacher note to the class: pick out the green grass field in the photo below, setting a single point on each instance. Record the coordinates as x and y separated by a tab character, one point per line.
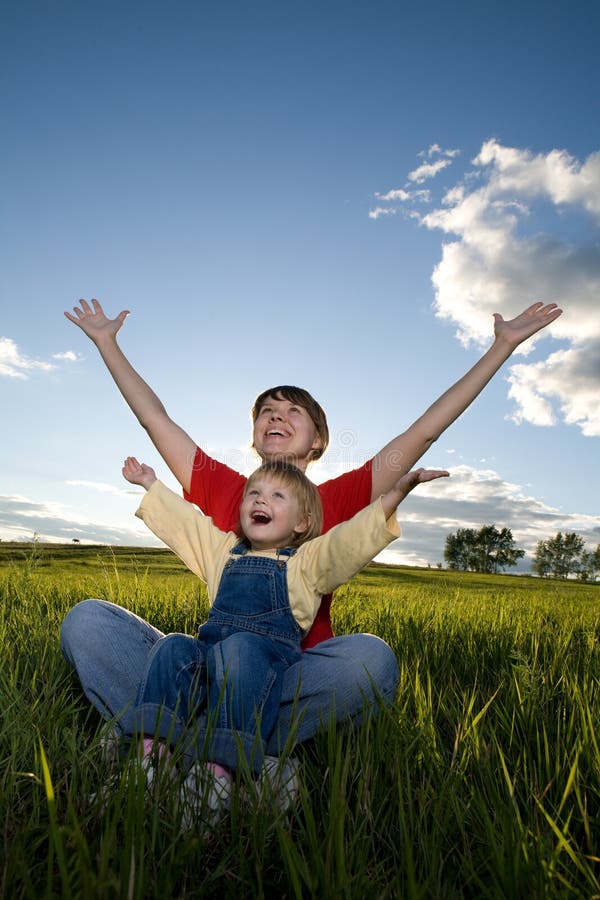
482	780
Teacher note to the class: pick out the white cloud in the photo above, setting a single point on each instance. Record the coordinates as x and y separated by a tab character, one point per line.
103	488
556	175
21	518
68	356
428	170
532	385
14	364
497	258
379	211
396	194
417	176
436	150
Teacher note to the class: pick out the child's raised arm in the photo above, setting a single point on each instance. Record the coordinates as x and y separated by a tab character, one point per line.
175	446
404	485
138	473
403	451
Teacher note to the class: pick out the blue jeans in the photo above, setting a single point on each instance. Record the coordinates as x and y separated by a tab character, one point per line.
341	679
221	693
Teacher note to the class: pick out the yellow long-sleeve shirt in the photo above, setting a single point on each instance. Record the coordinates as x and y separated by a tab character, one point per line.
317	567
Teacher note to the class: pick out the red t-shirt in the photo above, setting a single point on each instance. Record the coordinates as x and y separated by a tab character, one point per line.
217	490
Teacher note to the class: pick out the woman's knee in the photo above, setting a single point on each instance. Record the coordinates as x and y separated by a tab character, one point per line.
79	624
93	625
367	664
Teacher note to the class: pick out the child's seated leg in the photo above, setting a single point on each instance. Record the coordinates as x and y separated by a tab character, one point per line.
172	691
245	674
172	674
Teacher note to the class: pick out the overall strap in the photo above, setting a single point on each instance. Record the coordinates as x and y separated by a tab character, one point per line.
242	548
286	551
239	549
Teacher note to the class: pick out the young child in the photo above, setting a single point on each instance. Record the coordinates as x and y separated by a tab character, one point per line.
264	587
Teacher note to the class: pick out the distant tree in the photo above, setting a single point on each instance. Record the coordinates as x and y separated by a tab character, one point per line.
459	551
496	549
589	566
559	556
543	559
486	550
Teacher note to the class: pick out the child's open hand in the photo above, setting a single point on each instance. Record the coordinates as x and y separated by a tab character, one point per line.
138	473
418	476
404	486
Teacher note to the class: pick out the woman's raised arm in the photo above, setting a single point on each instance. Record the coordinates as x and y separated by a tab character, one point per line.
174	445
401	454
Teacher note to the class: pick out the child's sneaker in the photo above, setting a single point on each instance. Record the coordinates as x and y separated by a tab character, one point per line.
150	768
204	798
279	781
110	744
135	769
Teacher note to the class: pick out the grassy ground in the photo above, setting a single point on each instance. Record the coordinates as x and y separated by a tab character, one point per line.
482	780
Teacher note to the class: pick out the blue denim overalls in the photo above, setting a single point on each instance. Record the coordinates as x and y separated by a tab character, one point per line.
223	689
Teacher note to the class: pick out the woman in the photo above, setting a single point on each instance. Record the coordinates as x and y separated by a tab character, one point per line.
338	677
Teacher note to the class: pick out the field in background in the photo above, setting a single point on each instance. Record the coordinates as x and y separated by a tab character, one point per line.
483	779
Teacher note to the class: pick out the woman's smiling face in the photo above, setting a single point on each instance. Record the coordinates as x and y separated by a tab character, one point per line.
284	430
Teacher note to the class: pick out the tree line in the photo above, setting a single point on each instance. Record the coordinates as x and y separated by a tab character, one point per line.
492	550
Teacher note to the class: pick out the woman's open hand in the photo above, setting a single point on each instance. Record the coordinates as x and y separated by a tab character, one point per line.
94	322
534	318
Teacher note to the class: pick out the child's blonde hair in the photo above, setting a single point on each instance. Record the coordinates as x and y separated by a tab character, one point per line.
304	490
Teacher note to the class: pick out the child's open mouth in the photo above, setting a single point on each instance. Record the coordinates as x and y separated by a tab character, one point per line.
260	518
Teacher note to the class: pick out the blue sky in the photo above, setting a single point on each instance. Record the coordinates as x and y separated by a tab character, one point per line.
336	195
